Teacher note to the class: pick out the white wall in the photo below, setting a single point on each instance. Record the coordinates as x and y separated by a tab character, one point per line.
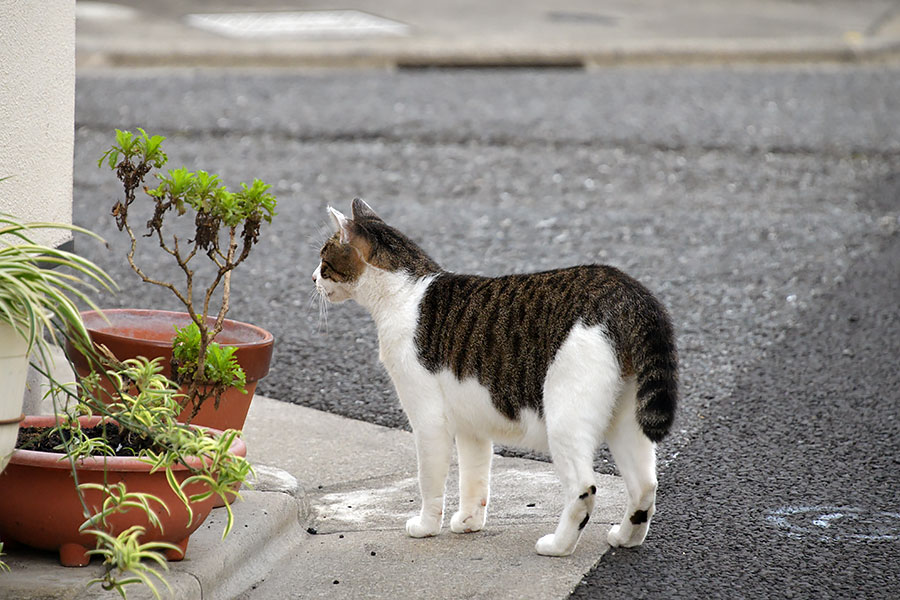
37	111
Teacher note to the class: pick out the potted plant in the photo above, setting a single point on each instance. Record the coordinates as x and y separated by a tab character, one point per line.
34	282
226	226
124	508
143	482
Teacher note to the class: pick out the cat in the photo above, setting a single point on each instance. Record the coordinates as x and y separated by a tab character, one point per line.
556	361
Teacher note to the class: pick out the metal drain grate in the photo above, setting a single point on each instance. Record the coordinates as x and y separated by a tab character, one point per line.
308	24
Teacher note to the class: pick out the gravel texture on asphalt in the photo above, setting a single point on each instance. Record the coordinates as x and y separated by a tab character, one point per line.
791	491
740	196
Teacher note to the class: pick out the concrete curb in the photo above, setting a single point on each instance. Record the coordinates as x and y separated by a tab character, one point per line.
525	33
658	52
267	525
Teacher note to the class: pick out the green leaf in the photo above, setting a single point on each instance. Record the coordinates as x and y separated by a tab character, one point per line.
173	483
151	151
125	140
221	365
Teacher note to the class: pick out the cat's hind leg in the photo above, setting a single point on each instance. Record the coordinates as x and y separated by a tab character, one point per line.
572	522
580	391
474	483
635	457
574	465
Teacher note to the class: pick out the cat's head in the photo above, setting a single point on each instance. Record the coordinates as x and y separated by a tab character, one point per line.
360	243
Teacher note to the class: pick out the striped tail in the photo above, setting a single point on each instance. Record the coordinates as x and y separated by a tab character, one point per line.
656	368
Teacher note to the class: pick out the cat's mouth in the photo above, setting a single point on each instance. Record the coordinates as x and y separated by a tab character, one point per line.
325	293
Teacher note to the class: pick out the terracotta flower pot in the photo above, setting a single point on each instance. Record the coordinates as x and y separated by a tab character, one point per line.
130	333
39	506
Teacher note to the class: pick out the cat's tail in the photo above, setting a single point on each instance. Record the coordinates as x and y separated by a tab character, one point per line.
655	362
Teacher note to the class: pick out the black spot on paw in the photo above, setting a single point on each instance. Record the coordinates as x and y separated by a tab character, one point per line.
639	516
593	489
584	522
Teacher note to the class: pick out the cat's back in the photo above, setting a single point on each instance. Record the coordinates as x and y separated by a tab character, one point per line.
504	331
454	303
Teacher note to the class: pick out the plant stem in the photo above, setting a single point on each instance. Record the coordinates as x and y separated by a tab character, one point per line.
145	278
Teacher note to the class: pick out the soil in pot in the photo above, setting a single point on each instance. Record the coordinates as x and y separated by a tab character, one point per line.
123	443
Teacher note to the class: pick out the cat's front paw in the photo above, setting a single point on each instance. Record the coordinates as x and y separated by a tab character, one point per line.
465	522
548	546
418	528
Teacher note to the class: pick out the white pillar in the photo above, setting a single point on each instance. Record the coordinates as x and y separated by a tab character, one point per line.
37	122
37	112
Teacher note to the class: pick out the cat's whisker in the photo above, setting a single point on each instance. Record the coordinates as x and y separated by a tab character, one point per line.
312	301
312	298
317	298
323	313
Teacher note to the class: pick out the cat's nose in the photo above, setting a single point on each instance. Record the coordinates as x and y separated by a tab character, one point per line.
314	277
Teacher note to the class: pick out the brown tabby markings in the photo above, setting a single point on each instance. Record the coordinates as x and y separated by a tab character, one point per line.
341	262
389	249
505	331
377	244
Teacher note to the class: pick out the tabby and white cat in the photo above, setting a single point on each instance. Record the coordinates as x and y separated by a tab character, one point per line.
557	361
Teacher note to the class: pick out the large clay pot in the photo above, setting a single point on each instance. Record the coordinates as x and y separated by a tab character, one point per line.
130	333
39	506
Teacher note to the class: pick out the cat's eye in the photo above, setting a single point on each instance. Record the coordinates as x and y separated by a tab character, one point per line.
328	271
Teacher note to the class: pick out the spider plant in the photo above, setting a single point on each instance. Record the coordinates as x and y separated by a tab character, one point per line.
36	282
147	407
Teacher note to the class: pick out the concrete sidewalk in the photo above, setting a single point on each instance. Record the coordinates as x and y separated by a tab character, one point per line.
412	33
327	520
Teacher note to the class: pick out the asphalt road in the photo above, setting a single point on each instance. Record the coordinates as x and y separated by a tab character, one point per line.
790	489
761	204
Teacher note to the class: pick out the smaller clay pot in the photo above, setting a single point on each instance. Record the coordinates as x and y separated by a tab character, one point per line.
130	333
39	506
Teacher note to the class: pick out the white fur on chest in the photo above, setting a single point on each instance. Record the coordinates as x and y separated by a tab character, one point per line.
393	300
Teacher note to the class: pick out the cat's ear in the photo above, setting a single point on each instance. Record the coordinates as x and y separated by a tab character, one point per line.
341	224
360	210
